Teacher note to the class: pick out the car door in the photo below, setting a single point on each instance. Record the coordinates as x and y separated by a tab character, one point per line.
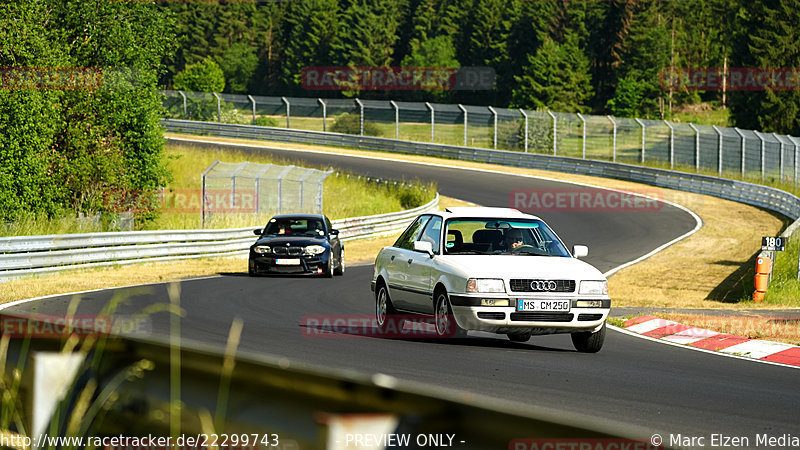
399	259
420	291
333	240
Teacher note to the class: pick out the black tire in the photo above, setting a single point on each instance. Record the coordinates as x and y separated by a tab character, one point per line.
327	270
385	314
519	337
588	342
445	323
339	271
251	270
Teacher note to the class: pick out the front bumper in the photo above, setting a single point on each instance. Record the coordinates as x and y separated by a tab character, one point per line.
507	319
308	265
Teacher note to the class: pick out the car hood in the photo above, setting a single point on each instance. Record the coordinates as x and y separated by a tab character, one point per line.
295	241
519	266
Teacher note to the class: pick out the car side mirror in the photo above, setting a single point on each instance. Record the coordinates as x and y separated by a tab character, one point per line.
334	232
257	232
424	246
580	251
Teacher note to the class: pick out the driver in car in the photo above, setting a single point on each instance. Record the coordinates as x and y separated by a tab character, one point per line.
513	239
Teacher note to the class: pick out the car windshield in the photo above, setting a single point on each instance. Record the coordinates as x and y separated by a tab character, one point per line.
502	236
296	227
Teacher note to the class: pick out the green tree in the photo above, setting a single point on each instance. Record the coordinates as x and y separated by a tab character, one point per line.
311	27
205	76
239	64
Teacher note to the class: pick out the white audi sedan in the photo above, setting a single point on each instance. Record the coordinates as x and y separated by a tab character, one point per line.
491	269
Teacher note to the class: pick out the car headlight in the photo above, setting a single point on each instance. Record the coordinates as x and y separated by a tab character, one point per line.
485	285
262	249
594	287
314	250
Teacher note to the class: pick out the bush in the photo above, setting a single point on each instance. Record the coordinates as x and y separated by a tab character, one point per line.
265	121
351	124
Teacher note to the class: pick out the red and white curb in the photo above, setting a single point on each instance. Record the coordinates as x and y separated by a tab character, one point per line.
678	333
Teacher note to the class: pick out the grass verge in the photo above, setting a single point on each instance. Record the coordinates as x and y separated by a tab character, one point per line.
785	286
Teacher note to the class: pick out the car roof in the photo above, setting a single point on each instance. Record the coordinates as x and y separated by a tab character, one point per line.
299	216
484	212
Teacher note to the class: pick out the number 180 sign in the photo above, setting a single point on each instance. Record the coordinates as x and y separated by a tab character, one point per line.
773	244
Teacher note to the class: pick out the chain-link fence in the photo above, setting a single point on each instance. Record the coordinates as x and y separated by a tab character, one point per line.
247	190
728	152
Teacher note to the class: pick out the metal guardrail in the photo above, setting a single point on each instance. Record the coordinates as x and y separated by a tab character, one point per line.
28	255
749	193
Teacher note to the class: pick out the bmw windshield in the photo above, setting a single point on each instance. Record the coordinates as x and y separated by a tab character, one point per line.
502	236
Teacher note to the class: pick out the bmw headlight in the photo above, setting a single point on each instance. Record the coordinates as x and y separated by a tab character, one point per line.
262	249
594	287
485	285
314	250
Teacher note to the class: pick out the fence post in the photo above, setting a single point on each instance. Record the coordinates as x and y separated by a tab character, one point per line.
219	107
280	186
780	156
203	193
555	134
696	147
583	137
613	139
253	101
288	110
526	128
796	154
396	119
361	114
739	132
184	103
324	114
763	160
671	145
494	114
719	157
433	120
464	110
643	137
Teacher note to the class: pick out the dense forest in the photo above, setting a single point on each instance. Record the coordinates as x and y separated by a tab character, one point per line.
66	143
610	57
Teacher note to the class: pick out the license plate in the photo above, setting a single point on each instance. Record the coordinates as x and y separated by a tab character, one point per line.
288	262
543	305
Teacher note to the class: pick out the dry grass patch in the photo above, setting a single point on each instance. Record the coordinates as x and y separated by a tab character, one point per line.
710	269
754	327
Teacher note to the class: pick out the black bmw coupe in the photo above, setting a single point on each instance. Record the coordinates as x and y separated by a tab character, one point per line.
297	244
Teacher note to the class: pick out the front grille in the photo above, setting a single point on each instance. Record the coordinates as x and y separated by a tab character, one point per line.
541	317
293	251
589	317
492	315
534	285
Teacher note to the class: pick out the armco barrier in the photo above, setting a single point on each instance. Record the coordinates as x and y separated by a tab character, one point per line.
28	255
752	194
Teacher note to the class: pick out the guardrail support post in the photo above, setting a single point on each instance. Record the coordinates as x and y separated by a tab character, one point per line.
324	114
464	110
219	107
555	133
613	139
741	135
494	139
433	120
696	147
288	111
253	101
396	119
526	128
184	103
583	135
643	136
719	148
361	115
671	145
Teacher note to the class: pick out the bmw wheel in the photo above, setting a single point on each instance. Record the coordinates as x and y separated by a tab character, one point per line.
589	342
340	270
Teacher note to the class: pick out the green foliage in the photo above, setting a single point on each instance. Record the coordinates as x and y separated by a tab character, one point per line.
205	76
627	100
62	149
265	121
351	124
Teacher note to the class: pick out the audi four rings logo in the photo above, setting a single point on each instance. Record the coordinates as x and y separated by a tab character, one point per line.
544	285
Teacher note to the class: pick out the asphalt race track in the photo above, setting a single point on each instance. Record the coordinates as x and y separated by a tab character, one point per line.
633	381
